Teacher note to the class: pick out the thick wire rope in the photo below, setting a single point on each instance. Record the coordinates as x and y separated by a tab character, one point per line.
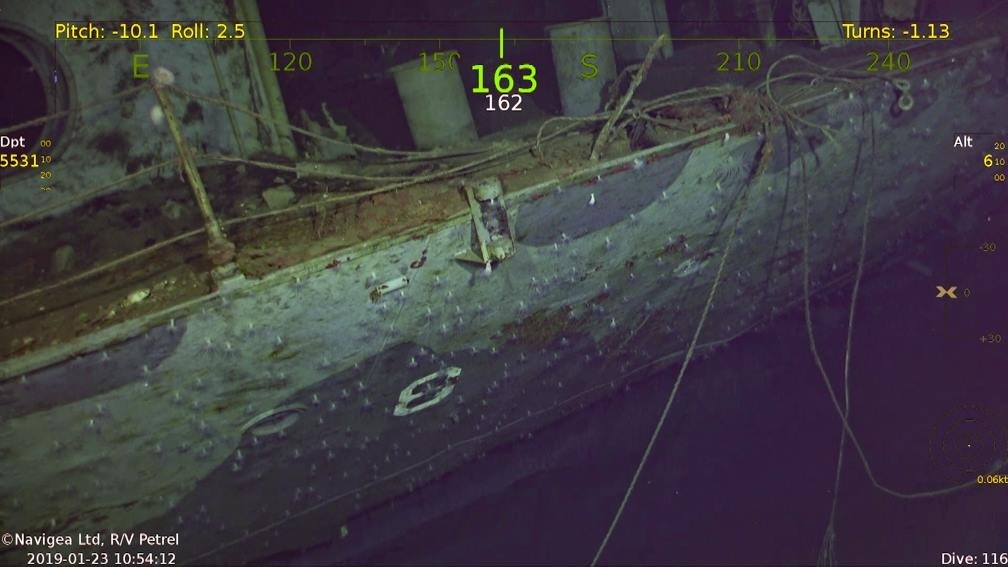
827	552
998	465
63	113
789	117
81	197
827	549
294	169
679	378
104	267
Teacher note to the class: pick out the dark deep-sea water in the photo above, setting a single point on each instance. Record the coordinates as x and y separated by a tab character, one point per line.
743	471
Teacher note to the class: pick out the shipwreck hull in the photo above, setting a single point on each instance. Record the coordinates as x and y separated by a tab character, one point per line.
611	271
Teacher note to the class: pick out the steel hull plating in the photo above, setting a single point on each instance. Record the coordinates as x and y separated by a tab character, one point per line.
610	274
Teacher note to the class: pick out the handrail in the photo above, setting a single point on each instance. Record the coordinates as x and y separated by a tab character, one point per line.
80	198
63	113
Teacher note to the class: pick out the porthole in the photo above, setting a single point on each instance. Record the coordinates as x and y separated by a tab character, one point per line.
37	83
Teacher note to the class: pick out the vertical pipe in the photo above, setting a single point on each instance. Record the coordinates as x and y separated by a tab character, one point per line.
582	94
247	11
436	105
765	17
221	251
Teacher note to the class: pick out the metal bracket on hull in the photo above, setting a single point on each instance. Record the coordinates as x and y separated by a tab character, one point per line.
273	421
494	239
435	387
388	287
904	100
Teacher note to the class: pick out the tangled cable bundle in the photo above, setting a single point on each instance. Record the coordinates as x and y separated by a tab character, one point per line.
773	111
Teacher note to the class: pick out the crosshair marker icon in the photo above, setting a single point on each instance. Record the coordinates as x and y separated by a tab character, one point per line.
949	292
